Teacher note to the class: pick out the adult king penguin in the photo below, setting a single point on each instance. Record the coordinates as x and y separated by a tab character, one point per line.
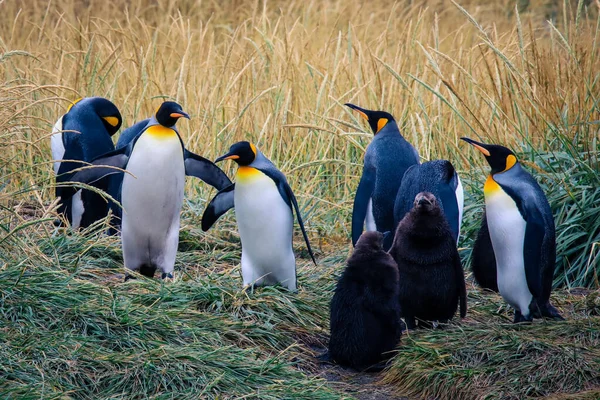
263	202
163	117
521	229
83	133
152	192
387	158
439	178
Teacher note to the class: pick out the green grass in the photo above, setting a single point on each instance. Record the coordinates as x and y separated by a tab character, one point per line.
278	73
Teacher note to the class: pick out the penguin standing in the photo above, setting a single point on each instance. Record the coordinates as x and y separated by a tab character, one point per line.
365	320
432	283
388	156
263	202
522	233
440	178
152	192
162	117
83	133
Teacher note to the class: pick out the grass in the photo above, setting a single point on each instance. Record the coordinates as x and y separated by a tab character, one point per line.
277	73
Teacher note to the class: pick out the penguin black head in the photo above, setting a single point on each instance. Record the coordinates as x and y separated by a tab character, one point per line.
106	110
425	202
169	112
499	157
376	119
370	241
242	153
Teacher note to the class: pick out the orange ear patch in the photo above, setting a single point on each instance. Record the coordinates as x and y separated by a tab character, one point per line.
510	162
381	123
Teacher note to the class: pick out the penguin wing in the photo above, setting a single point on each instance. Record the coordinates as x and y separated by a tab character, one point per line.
448	197
107	164
288	196
462	288
206	170
361	202
219	205
129	134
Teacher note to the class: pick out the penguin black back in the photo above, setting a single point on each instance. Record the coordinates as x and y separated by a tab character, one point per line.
431	278
438	177
387	158
87	127
365	317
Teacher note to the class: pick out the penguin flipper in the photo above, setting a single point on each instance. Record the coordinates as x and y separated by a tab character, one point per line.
206	170
532	254
291	196
107	164
361	202
462	287
219	205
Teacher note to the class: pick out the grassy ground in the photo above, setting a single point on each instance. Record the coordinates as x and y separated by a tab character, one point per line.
278	73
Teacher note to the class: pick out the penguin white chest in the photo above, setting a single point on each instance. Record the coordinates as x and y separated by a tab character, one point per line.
265	224
56	144
153	197
507	233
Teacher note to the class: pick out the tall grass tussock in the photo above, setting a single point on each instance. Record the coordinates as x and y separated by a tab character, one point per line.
524	74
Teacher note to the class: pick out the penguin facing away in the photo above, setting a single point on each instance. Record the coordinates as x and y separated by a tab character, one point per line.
431	279
82	133
387	158
365	323
522	232
263	201
483	261
152	192
164	117
440	178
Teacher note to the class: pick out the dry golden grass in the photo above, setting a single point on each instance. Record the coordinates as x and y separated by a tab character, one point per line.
278	73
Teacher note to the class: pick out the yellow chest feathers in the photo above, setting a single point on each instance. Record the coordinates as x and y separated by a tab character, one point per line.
248	174
161	132
491	187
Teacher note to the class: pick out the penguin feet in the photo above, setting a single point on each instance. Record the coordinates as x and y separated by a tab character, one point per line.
128	277
166	275
548	311
519	318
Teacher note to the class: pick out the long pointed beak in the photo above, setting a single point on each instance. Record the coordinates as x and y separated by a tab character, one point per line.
362	111
482	147
228	156
180	114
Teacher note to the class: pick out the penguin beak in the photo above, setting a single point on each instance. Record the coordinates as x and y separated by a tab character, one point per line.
363	112
228	156
479	146
180	114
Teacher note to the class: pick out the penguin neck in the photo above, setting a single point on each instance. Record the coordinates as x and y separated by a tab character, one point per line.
161	132
246	174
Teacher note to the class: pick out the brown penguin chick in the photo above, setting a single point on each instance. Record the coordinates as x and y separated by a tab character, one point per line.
431	279
365	315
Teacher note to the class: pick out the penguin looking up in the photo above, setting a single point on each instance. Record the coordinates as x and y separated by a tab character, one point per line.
82	134
365	320
263	202
432	283
387	157
522	232
166	115
152	192
440	178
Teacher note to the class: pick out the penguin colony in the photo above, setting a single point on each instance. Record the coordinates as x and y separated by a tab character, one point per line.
405	269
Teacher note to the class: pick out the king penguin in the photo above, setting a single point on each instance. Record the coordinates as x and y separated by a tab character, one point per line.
263	201
162	116
83	133
439	178
152	192
387	158
521	229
